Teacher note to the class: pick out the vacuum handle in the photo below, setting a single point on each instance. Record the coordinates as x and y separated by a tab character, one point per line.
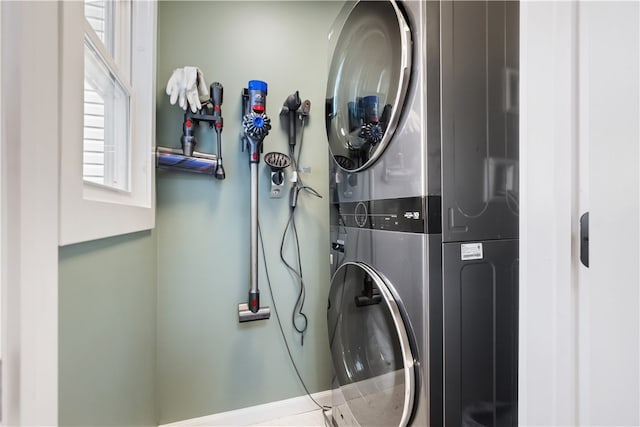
216	95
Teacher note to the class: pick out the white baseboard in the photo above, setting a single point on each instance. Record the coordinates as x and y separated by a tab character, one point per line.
259	413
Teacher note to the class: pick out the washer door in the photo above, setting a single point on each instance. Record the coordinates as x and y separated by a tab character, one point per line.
368	79
370	349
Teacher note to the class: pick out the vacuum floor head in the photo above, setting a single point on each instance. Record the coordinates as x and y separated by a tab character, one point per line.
246	315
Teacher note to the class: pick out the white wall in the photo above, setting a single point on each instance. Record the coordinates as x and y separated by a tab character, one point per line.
30	211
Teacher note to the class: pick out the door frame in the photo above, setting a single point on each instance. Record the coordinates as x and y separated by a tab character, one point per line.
29	211
556	322
29	200
549	182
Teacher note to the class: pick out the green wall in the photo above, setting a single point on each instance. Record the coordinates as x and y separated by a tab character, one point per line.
107	332
207	361
148	329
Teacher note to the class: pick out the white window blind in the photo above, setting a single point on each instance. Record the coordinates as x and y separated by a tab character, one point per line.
93	153
99	14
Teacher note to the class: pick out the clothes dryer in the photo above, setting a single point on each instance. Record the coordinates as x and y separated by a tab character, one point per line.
377	322
421	120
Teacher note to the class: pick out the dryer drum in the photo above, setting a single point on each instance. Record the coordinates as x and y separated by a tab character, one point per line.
371	350
374	44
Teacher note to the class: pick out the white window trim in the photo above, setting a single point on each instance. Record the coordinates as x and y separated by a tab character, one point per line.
89	212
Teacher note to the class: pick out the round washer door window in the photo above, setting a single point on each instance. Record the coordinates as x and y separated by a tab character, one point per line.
370	349
368	79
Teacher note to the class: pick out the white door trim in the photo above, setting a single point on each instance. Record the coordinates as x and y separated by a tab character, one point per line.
29	202
549	214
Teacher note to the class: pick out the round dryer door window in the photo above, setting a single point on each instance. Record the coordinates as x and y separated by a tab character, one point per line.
374	383
368	79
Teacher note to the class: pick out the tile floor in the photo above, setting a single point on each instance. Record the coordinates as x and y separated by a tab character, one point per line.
307	419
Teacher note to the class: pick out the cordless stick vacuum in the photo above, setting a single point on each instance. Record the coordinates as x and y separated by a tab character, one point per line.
256	126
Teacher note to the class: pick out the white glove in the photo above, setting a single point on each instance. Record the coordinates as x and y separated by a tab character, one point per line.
186	85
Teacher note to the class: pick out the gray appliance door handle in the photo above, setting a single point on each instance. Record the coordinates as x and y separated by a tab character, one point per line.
584	239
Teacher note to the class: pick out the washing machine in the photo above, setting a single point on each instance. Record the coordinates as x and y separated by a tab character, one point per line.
422	124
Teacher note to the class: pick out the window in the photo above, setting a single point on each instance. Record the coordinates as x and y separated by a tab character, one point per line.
108	118
107	95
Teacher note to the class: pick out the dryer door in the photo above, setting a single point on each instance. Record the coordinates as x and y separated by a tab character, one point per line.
372	357
368	79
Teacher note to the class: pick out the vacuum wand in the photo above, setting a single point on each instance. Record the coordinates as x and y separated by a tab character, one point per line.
256	125
254	292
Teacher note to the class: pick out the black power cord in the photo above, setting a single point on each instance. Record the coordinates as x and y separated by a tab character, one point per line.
323	408
296	188
297	309
297	272
297	312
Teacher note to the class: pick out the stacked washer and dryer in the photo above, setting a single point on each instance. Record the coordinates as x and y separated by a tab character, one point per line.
422	123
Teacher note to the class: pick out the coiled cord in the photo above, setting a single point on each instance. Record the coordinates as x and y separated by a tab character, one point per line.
297	187
324	408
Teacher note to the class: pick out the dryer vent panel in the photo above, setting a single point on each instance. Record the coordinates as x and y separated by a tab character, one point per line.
480	188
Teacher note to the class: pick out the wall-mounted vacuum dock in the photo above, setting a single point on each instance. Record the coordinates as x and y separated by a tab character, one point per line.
187	159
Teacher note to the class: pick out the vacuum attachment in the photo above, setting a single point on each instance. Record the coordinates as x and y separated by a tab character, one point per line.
277	161
174	159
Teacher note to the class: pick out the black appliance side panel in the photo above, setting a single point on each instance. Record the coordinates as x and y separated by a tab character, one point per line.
434	322
481	335
434	133
479	120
